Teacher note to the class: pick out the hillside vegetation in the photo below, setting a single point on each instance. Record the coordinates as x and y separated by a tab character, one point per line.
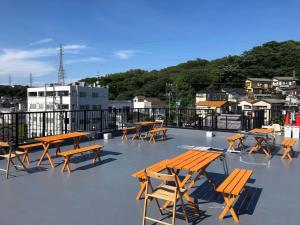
270	59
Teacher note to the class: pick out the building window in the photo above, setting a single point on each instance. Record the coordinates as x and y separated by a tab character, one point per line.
49	106
49	93
84	107
95	95
82	94
63	93
96	107
65	106
41	93
32	94
32	106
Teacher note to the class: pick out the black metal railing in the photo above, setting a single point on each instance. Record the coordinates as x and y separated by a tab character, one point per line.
23	126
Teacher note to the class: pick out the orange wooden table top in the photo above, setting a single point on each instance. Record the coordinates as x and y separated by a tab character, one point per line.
262	130
61	136
193	160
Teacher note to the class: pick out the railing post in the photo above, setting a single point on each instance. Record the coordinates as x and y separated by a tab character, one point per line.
17	129
84	120
115	118
66	122
101	121
44	124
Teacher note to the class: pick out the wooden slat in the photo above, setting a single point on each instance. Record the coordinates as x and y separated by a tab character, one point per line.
235	137
185	163
262	130
80	150
206	162
203	157
235	181
178	159
242	182
62	136
228	180
157	167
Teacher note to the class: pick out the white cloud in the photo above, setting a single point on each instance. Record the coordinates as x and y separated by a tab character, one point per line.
126	54
42	41
20	63
91	59
74	47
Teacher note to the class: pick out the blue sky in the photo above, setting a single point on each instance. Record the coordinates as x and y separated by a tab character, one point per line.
114	36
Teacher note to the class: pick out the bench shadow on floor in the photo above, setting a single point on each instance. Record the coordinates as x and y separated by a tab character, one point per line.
245	204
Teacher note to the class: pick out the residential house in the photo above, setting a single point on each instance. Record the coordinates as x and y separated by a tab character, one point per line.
230	95
259	87
273	107
284	84
148	105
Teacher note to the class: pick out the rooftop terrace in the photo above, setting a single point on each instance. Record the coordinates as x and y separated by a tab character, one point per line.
104	194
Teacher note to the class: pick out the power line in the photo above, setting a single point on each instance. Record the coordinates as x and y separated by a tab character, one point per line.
9	80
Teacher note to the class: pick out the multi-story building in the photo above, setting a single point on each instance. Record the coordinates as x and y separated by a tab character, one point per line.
283	84
259	87
60	100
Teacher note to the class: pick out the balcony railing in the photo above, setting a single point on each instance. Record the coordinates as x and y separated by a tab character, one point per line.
20	127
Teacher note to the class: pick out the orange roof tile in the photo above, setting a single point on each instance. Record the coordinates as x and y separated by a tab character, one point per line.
211	103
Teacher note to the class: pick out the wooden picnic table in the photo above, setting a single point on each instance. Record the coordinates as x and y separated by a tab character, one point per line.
46	141
194	164
263	136
139	126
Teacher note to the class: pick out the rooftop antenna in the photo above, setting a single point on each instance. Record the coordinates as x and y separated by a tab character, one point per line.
9	79
61	71
30	80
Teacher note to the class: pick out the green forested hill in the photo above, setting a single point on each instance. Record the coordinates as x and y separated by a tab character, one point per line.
270	59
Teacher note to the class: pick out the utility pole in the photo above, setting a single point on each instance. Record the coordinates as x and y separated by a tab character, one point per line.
61	71
30	80
9	79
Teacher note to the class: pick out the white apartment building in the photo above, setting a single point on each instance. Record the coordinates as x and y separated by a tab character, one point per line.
55	99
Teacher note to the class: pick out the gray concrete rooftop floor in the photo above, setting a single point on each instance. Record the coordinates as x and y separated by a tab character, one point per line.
104	194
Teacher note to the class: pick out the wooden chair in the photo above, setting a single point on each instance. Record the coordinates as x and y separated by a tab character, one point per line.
158	124
141	176
12	154
165	192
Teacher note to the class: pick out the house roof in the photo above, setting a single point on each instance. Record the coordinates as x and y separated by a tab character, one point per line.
154	101
260	79
211	103
285	78
272	100
235	91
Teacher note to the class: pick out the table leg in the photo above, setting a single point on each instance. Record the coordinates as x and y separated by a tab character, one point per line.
46	153
142	189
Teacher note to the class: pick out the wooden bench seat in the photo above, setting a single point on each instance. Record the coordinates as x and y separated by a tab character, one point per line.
141	176
125	131
68	154
231	188
233	139
287	145
28	147
154	132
